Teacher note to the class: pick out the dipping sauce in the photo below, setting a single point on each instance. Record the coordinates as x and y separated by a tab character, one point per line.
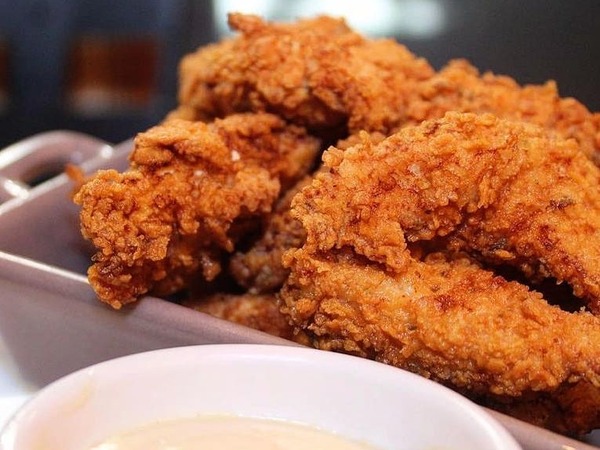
229	433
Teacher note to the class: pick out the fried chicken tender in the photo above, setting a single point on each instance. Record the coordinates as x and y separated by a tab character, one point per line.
321	74
259	312
508	192
191	191
260	269
457	324
314	72
460	87
362	283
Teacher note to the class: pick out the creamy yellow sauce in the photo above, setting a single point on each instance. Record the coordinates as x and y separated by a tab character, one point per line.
229	433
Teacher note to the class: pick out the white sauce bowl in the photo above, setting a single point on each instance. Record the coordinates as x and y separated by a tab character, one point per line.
356	398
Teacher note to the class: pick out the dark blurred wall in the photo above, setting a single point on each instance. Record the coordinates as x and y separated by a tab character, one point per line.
530	40
109	68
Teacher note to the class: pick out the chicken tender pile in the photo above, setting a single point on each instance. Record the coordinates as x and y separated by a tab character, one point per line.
316	72
379	275
192	191
425	237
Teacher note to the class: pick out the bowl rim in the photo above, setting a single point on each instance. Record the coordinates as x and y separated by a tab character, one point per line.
483	420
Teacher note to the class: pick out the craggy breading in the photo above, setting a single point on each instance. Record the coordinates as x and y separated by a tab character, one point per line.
460	87
260	269
259	312
395	239
315	72
574	406
504	191
488	338
322	74
191	189
358	284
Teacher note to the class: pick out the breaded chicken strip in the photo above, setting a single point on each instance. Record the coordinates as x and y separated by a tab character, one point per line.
363	283
504	191
320	73
490	339
314	72
260	269
192	189
460	87
259	312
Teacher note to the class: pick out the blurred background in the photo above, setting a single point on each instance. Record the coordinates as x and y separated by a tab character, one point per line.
109	68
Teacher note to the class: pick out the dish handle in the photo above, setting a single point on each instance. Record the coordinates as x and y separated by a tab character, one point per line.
35	160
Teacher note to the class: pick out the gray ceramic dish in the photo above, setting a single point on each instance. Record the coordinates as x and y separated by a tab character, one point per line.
50	319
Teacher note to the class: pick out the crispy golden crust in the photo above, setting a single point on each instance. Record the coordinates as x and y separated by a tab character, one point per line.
260	269
507	192
322	74
316	72
191	189
396	229
460	87
359	285
573	408
457	324
259	312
